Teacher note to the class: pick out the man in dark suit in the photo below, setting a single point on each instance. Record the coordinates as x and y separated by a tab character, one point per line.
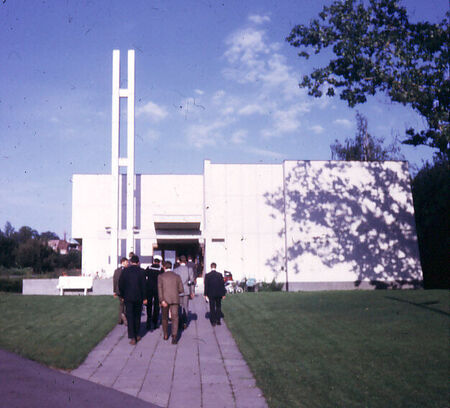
132	289
151	275
215	292
116	277
169	289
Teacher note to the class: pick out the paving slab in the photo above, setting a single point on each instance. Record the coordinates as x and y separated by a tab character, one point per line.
204	370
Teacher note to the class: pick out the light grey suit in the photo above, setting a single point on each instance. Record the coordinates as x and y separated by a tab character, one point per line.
187	275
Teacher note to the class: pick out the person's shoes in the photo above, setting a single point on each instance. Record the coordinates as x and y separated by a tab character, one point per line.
133	342
138	338
166	337
213	324
174	340
218	323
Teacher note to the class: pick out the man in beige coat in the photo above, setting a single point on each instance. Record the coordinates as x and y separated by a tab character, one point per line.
169	288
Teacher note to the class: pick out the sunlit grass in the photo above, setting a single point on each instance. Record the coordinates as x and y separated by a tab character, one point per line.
346	349
56	331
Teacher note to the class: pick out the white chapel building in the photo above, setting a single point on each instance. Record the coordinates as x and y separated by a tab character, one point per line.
309	224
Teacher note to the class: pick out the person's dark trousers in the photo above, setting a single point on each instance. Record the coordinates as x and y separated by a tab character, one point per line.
184	310
133	311
152	309
215	309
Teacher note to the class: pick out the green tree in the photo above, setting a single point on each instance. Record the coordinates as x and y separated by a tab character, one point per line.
377	48
7	249
33	253
8	245
364	147
431	192
48	235
26	233
9	230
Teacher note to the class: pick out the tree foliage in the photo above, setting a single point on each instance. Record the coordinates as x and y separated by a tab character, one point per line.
26	248
377	48
431	192
364	147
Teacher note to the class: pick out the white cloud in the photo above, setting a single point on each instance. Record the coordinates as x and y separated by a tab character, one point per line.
252	59
252	109
227	110
152	135
218	96
191	107
285	120
258	19
260	94
317	129
153	111
343	122
263	152
201	135
199	91
239	136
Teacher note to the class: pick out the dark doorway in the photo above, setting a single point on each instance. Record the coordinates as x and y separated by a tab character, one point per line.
170	249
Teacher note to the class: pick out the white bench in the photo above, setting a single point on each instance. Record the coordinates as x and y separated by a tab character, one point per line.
74	282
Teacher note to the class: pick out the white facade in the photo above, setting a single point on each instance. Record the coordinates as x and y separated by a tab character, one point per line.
309	224
315	224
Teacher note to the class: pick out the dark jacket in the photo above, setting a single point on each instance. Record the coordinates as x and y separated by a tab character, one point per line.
214	284
116	278
132	284
151	275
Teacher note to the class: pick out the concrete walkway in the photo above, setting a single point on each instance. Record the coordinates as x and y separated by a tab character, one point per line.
26	383
205	369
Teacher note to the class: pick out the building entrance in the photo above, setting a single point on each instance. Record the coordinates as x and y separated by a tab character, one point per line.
170	250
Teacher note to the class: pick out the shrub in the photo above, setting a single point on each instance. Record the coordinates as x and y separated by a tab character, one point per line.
11	285
271	287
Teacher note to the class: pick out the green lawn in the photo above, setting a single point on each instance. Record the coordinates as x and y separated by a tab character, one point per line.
57	331
346	349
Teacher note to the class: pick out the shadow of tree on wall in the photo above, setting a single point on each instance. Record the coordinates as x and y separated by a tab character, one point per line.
349	215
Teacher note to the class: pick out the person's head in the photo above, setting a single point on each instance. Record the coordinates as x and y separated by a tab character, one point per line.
157	259
130	255
134	260
168	265
124	262
182	259
213	265
189	258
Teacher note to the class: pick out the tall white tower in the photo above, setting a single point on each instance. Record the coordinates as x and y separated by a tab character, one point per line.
119	160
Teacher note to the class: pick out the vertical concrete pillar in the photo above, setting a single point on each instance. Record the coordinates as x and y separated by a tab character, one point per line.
118	160
130	154
115	138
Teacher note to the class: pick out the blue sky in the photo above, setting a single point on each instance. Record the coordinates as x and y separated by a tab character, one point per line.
214	80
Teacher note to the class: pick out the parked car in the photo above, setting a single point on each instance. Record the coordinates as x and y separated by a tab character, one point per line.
227	276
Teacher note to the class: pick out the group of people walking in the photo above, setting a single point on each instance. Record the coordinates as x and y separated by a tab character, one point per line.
161	288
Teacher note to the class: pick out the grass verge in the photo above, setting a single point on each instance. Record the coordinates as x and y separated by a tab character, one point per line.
346	349
56	331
